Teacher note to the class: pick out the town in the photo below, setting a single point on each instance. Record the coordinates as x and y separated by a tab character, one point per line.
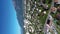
42	16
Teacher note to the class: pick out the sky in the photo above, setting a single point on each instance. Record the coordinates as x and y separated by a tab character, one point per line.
8	19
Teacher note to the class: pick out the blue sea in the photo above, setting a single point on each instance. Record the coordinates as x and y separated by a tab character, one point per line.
8	19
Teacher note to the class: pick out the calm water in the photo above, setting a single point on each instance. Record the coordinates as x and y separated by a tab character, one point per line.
8	19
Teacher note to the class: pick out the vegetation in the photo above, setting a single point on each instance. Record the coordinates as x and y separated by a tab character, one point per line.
56	21
38	20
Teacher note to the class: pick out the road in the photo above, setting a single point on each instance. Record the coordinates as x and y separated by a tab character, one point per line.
53	26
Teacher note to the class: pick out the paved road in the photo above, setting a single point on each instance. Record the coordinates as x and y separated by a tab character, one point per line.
53	26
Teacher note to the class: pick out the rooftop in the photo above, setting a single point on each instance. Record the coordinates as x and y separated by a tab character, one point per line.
58	2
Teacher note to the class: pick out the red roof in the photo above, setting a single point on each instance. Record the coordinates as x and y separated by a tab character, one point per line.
55	0
53	9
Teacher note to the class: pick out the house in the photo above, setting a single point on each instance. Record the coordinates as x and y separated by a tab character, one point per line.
58	9
53	9
57	1
58	16
45	6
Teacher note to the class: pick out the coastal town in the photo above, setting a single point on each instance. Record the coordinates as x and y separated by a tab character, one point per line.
42	16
